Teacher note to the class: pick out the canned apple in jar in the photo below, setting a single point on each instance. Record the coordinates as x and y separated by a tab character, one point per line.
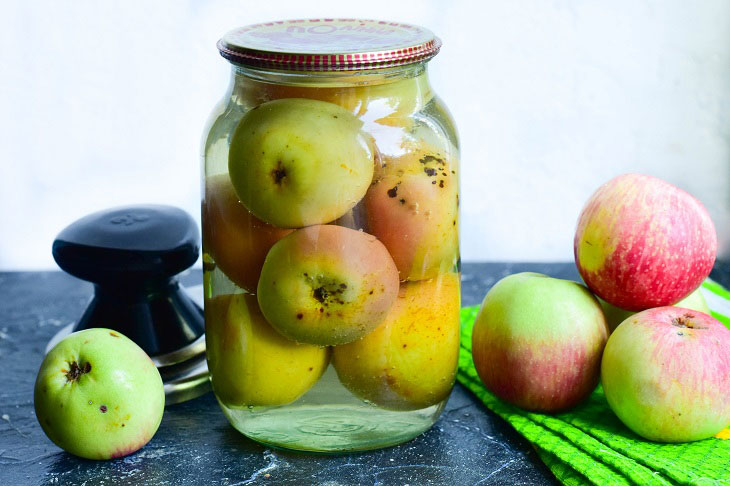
330	235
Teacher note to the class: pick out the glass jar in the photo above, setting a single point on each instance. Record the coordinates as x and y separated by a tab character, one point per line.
330	236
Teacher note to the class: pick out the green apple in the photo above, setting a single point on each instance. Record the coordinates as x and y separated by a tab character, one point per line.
615	316
666	374
98	395
537	341
297	162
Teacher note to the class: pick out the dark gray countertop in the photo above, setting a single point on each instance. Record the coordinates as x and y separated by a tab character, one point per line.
469	445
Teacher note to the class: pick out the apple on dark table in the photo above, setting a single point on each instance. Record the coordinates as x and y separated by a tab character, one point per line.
98	395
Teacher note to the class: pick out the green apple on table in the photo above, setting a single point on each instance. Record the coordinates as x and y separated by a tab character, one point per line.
98	395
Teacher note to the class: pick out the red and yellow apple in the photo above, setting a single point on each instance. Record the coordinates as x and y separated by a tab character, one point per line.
666	374
412	207
537	342
236	239
408	362
327	285
250	363
642	242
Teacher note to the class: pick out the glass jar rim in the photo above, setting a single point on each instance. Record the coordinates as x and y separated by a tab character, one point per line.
329	45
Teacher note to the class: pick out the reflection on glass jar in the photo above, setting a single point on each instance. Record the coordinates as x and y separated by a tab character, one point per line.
330	236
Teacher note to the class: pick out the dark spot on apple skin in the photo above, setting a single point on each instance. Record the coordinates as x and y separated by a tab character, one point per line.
402	201
430	158
123	425
310	368
394	191
343	286
441	183
429	171
300	315
320	294
405	345
113	334
278	173
370	293
103	409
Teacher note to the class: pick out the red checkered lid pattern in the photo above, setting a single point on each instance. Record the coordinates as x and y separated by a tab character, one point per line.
329	45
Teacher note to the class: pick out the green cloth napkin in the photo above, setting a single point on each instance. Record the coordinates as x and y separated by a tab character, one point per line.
589	445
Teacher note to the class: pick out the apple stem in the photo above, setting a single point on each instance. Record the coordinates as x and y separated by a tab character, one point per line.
685	321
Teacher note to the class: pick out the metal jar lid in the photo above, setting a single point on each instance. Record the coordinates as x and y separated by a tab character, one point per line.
329	45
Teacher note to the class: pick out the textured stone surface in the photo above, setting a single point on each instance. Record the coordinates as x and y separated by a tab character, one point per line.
195	444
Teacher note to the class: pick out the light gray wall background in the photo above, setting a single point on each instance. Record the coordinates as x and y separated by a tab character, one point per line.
103	104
